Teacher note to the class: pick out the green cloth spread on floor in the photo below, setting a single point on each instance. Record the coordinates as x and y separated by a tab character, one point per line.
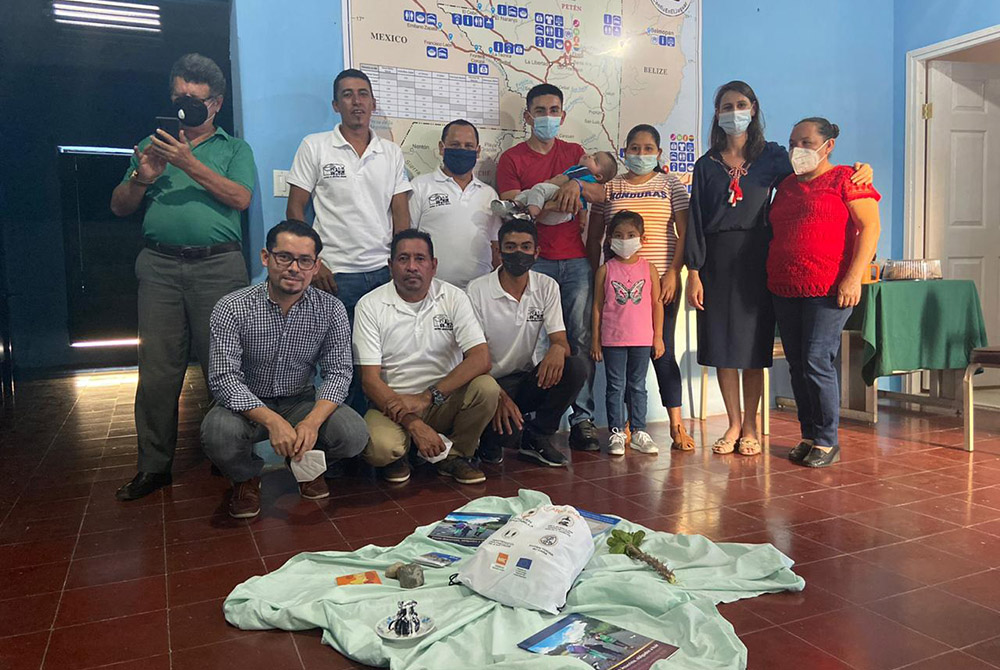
918	325
474	632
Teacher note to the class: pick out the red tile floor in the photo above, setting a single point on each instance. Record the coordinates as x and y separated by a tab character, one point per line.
898	543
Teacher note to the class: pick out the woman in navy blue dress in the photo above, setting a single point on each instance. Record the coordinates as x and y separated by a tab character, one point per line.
726	256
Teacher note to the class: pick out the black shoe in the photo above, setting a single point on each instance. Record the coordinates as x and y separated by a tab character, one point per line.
142	485
800	451
583	436
490	452
539	448
817	458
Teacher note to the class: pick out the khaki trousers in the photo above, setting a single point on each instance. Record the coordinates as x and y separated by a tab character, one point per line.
462	419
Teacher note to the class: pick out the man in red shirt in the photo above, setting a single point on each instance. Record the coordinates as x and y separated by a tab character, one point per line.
563	255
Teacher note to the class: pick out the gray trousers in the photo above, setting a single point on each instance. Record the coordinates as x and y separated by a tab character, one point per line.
228	437
176	297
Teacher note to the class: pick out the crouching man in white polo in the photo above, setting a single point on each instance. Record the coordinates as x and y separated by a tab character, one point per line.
424	366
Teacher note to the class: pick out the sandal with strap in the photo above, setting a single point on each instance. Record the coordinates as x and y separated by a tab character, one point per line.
723	446
681	440
749	446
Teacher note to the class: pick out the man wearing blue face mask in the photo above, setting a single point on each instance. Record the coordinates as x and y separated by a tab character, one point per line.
562	253
453	207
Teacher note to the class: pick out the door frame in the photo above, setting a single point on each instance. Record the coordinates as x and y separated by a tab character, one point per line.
915	164
915	149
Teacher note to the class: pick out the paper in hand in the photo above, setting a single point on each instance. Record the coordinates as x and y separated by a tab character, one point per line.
440	457
312	465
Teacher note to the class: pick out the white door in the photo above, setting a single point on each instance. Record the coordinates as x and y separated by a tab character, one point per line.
963	182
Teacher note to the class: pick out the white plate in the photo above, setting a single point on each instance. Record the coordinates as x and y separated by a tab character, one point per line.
382	628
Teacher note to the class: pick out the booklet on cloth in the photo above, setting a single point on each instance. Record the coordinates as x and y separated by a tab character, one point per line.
468	528
369	577
598	523
600	645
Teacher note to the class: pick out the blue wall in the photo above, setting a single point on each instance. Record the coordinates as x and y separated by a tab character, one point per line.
284	63
801	62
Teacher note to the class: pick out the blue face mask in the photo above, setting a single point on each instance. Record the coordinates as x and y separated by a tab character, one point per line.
546	127
459	161
641	165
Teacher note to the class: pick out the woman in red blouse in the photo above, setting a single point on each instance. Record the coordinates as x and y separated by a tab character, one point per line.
825	230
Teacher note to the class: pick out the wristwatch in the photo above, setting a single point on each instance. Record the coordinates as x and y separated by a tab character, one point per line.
135	177
437	398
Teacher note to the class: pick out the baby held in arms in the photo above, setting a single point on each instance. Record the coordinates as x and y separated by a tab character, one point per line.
599	167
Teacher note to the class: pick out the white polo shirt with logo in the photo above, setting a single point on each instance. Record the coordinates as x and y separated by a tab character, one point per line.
513	328
415	348
351	195
460	223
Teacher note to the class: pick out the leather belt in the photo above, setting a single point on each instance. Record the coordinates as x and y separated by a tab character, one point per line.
191	253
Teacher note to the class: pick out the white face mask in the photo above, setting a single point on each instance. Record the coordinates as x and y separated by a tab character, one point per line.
805	160
735	122
626	248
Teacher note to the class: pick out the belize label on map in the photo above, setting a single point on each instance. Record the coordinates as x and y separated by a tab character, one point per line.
618	62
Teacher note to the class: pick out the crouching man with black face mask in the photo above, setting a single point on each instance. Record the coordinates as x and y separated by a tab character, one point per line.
513	303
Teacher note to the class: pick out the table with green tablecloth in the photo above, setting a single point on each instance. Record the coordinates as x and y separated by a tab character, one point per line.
917	325
906	326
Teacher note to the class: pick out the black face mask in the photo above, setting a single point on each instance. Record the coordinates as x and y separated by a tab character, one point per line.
517	263
191	111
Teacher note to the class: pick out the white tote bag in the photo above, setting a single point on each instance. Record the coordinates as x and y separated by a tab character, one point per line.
533	560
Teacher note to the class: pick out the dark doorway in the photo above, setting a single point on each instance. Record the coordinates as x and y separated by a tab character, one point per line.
68	267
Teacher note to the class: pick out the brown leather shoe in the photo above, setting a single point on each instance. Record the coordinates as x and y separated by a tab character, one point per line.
245	501
315	490
461	470
397	472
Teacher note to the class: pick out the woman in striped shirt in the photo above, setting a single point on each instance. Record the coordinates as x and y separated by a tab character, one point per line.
662	202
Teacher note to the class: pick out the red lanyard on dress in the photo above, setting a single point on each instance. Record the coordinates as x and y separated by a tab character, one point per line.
735	173
735	192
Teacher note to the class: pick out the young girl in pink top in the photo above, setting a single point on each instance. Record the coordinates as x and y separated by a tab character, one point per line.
628	325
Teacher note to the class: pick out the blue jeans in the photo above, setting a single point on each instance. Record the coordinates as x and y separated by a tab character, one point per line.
810	335
351	287
625	368
576	288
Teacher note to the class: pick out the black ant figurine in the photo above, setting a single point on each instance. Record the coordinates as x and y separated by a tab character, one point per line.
406	622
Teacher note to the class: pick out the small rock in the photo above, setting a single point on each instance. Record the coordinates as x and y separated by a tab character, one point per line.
410	576
391	571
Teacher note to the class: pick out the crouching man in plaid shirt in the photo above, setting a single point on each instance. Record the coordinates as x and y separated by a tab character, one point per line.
266	342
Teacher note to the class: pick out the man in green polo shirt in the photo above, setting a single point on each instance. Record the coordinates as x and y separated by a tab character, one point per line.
194	187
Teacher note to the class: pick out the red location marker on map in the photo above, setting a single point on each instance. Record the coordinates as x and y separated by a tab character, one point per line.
569	46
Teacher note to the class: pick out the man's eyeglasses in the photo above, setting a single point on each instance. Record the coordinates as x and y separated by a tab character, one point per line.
283	260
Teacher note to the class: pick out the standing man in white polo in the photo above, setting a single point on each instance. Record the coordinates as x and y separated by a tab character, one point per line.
358	185
424	366
453	207
517	307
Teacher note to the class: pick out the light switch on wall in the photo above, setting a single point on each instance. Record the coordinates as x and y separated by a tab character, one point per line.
280	183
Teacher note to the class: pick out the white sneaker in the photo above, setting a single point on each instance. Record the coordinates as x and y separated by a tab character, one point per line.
616	445
643	443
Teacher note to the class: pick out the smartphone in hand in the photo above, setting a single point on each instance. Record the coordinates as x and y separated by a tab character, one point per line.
171	124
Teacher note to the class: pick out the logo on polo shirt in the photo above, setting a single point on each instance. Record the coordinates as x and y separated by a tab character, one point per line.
536	315
438	200
442	322
334	171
